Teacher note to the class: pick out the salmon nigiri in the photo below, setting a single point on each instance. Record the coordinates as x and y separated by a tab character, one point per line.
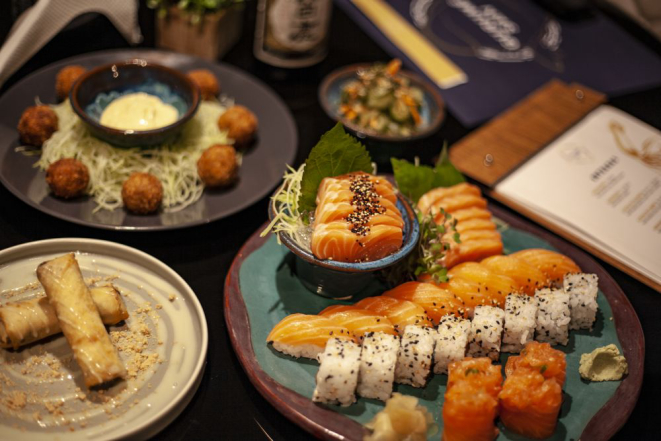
400	312
470	406
527	277
469	291
356	219
553	265
359	321
436	301
530	403
301	335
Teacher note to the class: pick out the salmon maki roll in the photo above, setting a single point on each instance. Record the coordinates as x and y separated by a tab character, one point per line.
530	403
358	321
401	313
432	197
437	302
301	335
540	357
553	265
471	405
356	219
527	277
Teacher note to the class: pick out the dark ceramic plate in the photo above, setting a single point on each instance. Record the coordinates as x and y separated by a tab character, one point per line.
260	171
261	289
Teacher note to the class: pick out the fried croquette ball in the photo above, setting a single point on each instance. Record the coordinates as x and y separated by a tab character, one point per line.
65	79
67	178
240	123
217	166
142	193
206	81
37	124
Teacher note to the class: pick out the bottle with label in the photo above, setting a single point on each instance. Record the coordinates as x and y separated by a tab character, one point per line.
292	33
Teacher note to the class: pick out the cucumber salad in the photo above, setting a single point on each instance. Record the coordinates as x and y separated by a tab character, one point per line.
381	100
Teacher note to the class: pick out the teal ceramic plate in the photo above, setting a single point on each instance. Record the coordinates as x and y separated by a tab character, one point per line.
261	289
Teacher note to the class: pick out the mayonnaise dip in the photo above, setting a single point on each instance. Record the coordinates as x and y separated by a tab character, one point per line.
138	111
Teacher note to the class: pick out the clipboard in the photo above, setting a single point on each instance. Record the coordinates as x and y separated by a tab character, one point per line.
497	149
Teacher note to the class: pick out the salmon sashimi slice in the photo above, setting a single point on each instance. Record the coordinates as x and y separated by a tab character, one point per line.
458	202
470	405
334	241
472	248
527	277
401	313
359	321
542	358
428	199
530	403
437	302
302	335
471	213
553	265
474	224
356	219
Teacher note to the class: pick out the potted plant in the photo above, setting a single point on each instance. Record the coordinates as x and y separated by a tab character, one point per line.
205	28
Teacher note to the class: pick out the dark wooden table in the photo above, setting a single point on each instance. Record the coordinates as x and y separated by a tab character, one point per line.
226	405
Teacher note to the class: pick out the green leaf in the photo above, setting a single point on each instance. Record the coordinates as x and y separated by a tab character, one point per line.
335	154
447	173
415	180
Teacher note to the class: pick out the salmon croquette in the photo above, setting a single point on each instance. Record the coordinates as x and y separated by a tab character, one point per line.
65	79
67	178
240	123
206	81
142	193
217	166
37	124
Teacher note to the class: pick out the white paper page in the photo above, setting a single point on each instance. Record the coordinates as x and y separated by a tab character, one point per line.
602	180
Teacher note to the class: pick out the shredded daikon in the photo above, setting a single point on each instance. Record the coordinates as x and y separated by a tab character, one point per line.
174	164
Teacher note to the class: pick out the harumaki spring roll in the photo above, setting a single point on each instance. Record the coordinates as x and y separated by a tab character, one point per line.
27	321
80	320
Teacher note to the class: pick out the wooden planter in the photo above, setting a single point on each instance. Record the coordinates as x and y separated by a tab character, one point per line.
210	39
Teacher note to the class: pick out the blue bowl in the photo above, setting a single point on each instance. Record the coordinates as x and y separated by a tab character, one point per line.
97	88
344	280
432	111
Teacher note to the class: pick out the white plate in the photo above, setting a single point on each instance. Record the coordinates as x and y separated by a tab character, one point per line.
138	407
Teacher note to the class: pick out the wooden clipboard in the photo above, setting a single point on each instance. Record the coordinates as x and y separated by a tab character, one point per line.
497	149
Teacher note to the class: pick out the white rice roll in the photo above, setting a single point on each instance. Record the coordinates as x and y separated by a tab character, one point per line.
451	341
553	316
377	365
520	315
337	377
486	331
415	360
582	289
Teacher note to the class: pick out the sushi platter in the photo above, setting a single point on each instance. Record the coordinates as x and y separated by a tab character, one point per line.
262	288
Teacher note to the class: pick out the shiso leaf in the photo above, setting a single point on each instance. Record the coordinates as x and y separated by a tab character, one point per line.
335	154
415	180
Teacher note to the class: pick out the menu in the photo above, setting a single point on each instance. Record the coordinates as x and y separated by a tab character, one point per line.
601	181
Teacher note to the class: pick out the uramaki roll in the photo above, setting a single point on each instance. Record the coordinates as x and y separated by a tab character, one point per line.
80	320
27	321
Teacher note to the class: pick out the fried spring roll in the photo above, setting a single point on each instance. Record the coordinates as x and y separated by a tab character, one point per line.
80	320
25	322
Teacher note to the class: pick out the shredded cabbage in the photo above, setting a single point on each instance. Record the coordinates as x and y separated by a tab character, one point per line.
174	164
